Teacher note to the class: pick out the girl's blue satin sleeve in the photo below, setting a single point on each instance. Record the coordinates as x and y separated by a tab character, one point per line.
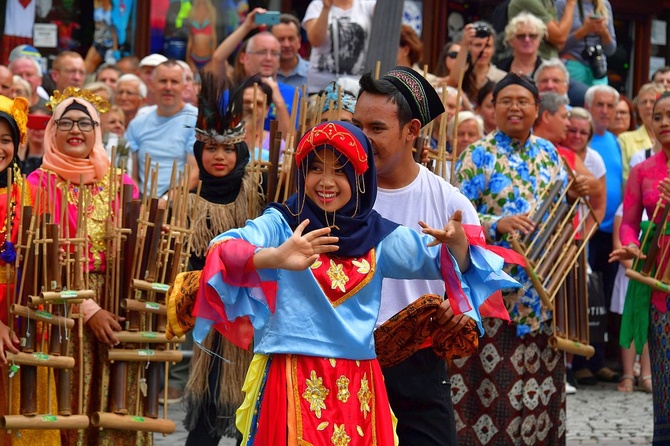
404	254
268	230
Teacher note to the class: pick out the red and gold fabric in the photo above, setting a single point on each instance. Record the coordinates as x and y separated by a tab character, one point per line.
322	401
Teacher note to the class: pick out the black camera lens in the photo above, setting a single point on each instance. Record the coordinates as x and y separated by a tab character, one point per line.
482	31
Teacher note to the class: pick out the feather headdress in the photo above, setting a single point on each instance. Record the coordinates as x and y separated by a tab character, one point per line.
217	123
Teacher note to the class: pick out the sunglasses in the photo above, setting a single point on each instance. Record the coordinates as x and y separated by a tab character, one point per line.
527	36
452	54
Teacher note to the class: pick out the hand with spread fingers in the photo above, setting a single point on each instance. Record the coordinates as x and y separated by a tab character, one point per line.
453	235
631	251
104	324
299	252
521	222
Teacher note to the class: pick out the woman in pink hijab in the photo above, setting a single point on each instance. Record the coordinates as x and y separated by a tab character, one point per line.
76	165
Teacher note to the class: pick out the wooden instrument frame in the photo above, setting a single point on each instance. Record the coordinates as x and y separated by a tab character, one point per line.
552	253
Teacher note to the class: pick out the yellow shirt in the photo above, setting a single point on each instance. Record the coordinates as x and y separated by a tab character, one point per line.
632	142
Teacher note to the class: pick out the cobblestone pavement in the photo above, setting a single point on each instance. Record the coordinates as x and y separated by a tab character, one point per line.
597	415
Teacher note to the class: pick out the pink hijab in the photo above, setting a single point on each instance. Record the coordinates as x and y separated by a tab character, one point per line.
93	168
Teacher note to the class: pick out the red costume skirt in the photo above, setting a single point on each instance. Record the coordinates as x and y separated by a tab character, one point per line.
305	400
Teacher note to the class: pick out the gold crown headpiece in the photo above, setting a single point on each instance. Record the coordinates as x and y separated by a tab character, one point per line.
18	109
100	104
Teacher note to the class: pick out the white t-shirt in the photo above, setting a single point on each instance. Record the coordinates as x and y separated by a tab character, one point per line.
353	31
594	163
428	198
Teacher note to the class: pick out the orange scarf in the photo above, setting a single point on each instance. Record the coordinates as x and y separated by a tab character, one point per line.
91	169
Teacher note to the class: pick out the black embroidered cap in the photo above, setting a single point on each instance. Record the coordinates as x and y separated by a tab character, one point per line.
421	96
517	79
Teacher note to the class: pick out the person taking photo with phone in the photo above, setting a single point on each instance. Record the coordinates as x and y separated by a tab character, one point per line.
591	40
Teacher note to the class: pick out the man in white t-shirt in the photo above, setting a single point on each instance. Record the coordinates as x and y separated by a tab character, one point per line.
391	116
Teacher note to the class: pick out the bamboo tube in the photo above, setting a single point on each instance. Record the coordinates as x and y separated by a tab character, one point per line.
15	422
154	287
569	346
40	359
146	337
146	307
136	423
42	316
648	280
58	296
144	355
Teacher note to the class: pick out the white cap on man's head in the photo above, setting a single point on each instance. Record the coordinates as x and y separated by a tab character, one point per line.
153	60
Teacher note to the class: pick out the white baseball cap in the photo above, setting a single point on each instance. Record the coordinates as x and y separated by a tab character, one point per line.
153	60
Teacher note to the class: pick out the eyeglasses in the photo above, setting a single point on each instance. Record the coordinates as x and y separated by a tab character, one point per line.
266	53
85	125
521	103
527	36
622	113
452	54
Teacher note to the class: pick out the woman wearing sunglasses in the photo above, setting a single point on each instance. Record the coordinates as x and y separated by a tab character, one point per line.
523	34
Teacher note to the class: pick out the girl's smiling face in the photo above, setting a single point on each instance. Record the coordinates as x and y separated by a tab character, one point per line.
219	159
326	184
6	144
75	142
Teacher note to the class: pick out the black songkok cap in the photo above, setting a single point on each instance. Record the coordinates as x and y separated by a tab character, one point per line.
517	79
421	96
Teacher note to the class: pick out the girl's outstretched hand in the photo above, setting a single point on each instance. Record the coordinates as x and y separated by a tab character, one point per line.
453	235
299	252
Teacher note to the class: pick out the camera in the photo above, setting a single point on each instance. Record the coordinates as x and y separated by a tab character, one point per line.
593	54
482	31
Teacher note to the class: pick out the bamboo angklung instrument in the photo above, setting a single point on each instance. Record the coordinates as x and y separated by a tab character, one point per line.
655	271
151	259
554	252
39	265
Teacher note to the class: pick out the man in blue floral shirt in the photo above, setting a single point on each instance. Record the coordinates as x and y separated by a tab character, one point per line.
514	389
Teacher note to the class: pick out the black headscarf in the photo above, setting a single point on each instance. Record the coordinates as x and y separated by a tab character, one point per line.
222	190
358	226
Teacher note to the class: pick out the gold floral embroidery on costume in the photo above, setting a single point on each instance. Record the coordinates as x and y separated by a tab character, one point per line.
363	266
341	278
364	395
322	426
340	437
315	393
338	279
332	362
360	431
95	199
343	389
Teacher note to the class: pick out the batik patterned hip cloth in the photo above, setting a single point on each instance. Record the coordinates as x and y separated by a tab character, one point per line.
659	351
512	392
